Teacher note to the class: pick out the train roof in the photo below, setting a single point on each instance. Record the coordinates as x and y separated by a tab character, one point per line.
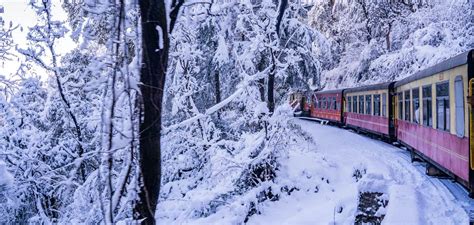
369	87
450	63
334	91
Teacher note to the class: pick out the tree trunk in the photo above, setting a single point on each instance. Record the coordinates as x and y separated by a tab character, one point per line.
155	49
271	86
217	85
281	11
261	88
363	4
261	82
387	37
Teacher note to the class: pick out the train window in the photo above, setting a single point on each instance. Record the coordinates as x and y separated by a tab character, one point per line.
361	104
416	105
335	105
400	105
377	105
330	103
459	100
442	106
427	107
407	105
368	104
384	104
349	104
346	106
325	103
354	104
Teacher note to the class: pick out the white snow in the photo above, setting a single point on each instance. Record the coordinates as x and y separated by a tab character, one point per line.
5	177
413	197
222	52
160	38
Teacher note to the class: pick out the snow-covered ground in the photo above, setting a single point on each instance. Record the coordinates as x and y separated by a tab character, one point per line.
330	195
5	177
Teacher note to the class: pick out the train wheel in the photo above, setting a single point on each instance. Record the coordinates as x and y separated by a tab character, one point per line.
435	172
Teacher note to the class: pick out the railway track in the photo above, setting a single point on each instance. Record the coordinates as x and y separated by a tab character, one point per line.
459	193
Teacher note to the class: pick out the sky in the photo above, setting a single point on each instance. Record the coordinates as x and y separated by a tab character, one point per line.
19	13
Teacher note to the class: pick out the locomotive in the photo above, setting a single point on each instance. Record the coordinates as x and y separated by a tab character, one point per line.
430	113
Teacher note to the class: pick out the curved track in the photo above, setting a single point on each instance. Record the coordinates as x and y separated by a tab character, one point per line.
414	198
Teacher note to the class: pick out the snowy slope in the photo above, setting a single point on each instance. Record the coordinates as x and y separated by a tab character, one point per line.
366	42
412	197
5	177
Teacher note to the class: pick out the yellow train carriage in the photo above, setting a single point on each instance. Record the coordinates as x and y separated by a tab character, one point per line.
433	116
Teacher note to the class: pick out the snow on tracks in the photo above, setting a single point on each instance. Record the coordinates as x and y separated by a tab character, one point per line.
413	197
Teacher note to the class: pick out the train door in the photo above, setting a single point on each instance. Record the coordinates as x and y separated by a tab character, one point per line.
302	103
470	107
344	108
471	136
395	99
391	112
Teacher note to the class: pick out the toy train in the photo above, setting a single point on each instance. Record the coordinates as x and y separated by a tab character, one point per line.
430	113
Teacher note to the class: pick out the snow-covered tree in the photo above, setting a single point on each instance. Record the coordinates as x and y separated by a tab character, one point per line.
231	65
366	41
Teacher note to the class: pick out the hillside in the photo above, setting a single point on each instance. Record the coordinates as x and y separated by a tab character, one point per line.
365	42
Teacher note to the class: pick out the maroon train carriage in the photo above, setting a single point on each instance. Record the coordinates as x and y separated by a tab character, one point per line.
368	109
434	116
327	105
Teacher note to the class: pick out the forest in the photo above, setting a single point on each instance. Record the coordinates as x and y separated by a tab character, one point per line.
176	111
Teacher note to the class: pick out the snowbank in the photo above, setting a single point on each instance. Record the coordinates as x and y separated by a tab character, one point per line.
6	178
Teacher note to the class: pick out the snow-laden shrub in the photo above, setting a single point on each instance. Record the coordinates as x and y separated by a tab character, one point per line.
6	179
231	177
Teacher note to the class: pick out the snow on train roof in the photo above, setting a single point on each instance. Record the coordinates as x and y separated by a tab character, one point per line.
450	63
